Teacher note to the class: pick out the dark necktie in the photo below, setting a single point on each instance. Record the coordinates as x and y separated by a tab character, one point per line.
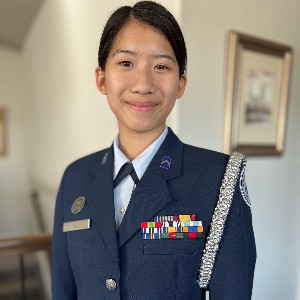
126	169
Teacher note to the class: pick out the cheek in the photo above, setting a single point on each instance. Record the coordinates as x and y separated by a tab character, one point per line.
170	89
116	84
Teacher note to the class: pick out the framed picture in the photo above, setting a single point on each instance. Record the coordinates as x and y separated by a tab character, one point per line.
258	79
2	131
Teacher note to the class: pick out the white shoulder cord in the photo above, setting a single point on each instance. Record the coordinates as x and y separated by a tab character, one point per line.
219	218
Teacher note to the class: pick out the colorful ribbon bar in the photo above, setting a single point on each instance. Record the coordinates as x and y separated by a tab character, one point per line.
175	218
151	224
172	235
171	224
172	227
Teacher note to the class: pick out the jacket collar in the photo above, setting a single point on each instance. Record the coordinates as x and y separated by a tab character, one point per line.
100	198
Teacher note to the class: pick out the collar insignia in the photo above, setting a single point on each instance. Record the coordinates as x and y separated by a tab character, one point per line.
104	159
166	162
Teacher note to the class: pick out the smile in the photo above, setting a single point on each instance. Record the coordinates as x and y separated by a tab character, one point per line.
142	106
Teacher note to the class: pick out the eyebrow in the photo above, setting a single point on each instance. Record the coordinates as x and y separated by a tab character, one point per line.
165	56
124	51
135	53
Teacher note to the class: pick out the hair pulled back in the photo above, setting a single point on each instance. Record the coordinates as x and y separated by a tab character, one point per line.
150	13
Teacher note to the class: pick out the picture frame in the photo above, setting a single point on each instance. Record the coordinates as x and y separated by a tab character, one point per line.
2	131
258	79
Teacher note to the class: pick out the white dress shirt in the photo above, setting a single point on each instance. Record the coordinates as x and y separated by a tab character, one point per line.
122	192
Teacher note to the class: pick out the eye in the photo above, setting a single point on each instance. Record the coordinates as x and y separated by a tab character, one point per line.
126	64
161	67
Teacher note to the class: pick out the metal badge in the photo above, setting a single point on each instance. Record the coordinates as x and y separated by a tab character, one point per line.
78	205
76	225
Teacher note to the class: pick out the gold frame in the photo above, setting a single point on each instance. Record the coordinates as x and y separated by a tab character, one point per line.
241	48
2	132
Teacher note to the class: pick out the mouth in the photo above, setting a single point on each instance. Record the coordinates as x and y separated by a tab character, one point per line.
142	106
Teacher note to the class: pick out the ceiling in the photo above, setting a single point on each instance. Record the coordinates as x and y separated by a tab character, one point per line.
16	17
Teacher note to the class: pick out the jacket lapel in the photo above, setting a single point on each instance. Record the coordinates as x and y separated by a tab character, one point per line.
152	193
100	198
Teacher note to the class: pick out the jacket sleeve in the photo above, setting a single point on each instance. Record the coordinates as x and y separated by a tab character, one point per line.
233	272
63	283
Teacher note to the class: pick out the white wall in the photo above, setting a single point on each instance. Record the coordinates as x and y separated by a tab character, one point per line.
15	212
273	181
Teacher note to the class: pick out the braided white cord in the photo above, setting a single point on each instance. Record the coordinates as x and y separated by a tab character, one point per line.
219	218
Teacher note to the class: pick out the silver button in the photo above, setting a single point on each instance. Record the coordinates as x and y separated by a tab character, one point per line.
122	210
110	284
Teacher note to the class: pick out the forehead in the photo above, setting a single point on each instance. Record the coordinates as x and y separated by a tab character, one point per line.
136	34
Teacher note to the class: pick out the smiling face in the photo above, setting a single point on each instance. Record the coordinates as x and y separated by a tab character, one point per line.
141	79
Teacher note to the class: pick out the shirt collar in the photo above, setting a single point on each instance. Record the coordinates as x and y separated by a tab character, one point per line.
141	162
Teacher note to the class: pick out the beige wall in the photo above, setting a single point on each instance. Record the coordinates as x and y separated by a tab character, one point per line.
57	115
14	199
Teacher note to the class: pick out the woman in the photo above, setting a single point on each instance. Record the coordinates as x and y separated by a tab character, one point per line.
131	221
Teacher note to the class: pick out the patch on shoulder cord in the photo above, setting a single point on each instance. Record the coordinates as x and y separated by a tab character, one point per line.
243	187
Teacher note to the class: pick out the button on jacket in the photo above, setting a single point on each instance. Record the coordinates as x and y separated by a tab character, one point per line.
102	263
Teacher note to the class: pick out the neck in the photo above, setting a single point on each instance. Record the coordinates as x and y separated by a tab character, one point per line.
132	144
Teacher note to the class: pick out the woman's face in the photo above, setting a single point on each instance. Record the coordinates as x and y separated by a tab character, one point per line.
141	79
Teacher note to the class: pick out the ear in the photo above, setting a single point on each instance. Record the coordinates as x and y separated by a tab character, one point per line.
100	80
181	86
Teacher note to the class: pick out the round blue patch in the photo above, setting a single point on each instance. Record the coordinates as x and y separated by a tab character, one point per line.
243	187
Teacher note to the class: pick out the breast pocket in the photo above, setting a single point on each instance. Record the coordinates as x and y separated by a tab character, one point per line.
173	246
174	264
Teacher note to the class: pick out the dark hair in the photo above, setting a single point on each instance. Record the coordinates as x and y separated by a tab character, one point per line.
150	13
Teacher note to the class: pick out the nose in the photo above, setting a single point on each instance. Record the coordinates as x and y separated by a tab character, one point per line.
143	81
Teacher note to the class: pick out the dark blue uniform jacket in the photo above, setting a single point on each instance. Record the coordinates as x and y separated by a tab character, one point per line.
159	269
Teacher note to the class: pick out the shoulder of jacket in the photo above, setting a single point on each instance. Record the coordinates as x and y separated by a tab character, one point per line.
197	153
86	162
